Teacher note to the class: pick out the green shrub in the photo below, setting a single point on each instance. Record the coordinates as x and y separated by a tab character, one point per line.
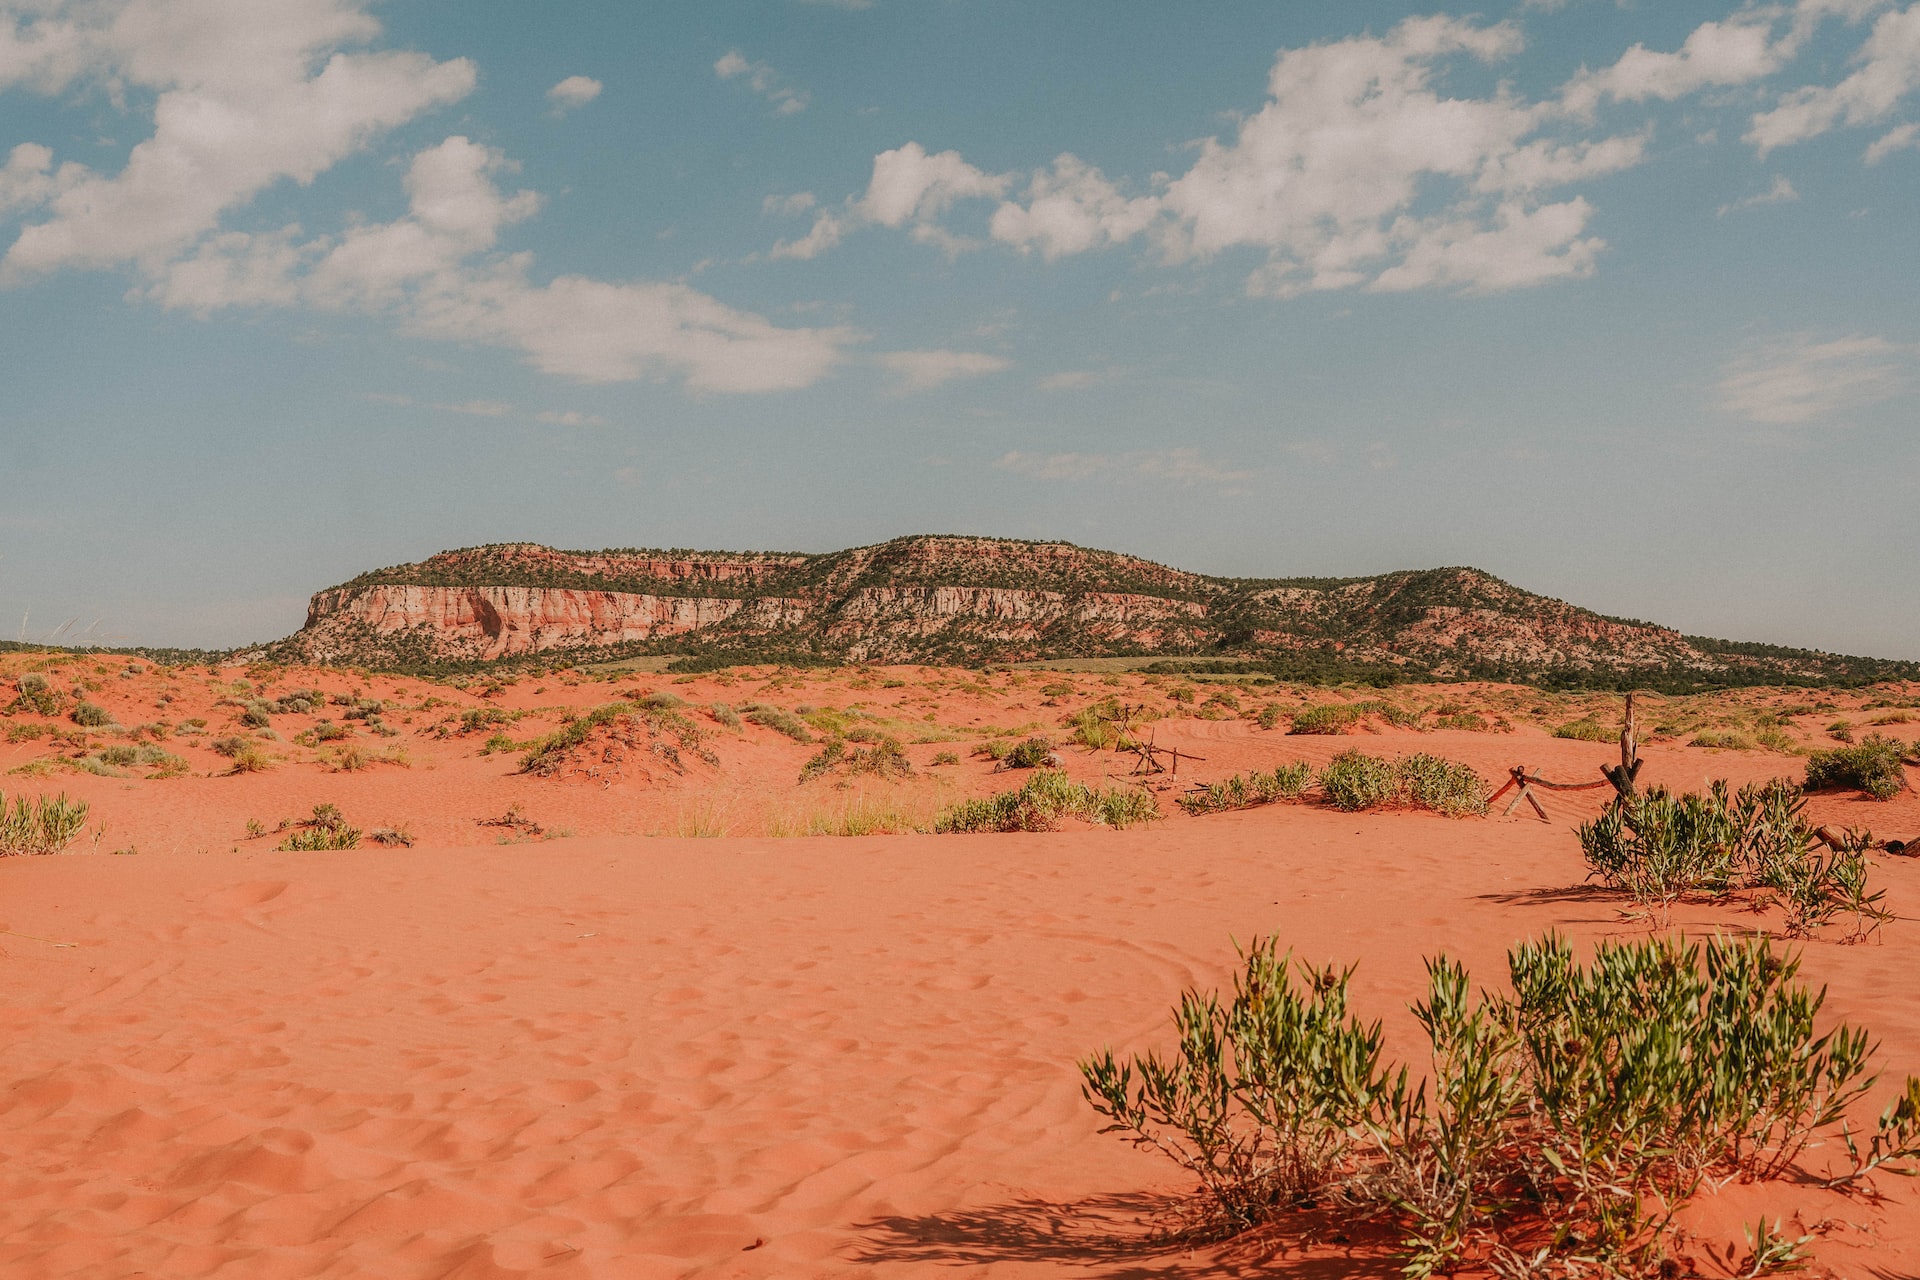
945	757
35	696
256	715
1354	780
1466	720
885	759
1331	719
1561	1127
91	715
1871	765
325	830
1031	754
229	746
628	722
1046	798
43	825
778	720
1723	739
725	715
1269	717
1244	791
1444	786
1586	729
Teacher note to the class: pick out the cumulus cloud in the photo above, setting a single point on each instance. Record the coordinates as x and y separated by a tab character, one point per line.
763	80
1357	171
1799	379
925	370
908	188
1184	467
574	91
1889	70
245	95
1739	50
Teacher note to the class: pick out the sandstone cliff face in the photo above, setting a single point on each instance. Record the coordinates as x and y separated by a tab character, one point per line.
495	622
967	599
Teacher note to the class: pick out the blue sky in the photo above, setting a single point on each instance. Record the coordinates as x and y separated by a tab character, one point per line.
1617	301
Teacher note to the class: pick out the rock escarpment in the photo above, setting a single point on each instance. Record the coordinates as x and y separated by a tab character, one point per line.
973	600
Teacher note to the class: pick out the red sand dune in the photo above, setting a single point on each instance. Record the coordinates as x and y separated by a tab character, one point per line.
615	1056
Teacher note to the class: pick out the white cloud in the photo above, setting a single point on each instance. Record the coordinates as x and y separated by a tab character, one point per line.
574	91
570	418
1889	70
1900	139
1737	51
437	273
1799	380
1184	467
246	95
925	370
826	233
910	185
1781	192
788	206
763	80
1070	209
28	178
1357	171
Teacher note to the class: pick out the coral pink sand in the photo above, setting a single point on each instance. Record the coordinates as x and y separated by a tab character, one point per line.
625	1057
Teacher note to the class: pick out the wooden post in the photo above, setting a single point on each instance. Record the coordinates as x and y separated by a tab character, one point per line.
1623	777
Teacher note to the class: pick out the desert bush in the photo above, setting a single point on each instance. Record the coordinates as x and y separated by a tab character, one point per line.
229	746
46	824
36	696
26	732
325	830
661	701
91	715
1244	791
724	715
1030	754
1586	729
550	754
164	763
1093	727
1841	731
1046	798
1330	719
885	759
1723	739
1871	765
945	757
1354	780
1444	786
498	742
1269	717
392	837
256	715
1560	1128
778	720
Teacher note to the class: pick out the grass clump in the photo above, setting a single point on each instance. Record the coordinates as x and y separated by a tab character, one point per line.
1033	753
1332	719
91	715
1046	798
778	720
326	830
629	722
1723	739
1561	1128
884	759
1871	765
1354	780
46	824
34	696
1586	729
1244	791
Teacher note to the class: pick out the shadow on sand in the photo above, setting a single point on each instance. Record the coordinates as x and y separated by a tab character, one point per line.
1122	1237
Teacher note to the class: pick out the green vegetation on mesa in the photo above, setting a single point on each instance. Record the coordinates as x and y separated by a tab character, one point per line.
874	604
